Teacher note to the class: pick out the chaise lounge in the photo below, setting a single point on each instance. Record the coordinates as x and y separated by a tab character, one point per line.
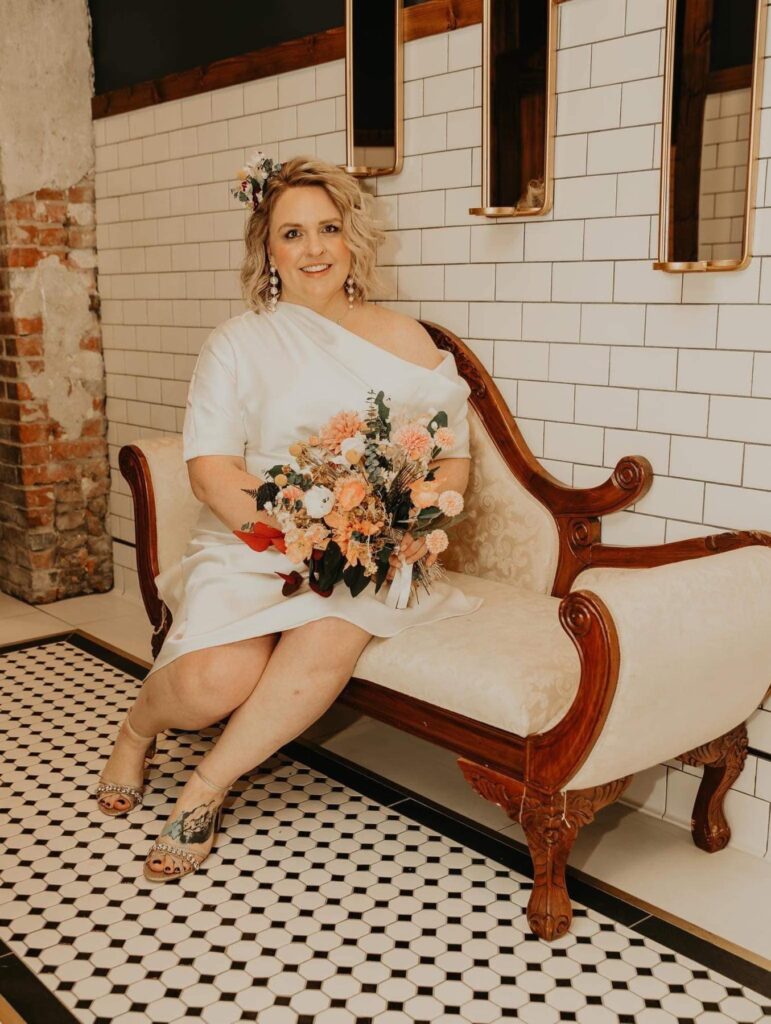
585	664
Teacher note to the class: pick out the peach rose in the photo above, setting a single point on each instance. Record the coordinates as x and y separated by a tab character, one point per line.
423	493
350	492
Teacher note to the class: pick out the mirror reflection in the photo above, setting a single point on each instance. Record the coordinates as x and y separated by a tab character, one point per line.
374	86
518	105
709	133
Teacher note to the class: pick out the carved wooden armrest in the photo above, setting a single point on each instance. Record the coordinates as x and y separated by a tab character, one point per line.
629	481
647	556
133	466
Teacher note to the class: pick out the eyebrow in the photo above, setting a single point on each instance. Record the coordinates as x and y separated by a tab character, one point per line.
330	220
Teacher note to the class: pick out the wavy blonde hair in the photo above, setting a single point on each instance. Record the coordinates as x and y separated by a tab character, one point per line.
361	232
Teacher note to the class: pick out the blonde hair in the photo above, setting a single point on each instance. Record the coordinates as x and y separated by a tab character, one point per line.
361	232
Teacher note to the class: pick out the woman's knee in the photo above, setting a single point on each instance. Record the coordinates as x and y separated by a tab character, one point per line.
214	681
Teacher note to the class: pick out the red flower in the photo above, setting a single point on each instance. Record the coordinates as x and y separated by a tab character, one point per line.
261	537
292	582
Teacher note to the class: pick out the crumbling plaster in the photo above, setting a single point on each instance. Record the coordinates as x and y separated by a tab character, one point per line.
72	376
46	133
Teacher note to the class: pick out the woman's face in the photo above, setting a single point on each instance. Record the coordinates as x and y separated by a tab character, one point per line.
306	242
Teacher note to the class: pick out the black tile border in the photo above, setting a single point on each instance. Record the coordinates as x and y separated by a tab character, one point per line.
505	851
28	996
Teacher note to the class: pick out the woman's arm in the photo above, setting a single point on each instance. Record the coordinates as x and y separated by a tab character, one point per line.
217	481
451	474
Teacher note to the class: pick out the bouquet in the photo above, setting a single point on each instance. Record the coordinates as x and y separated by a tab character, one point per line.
351	493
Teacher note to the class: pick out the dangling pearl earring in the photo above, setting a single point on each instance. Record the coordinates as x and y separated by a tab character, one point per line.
273	298
351	289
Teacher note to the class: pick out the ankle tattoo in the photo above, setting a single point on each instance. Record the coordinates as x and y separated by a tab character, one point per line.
194	826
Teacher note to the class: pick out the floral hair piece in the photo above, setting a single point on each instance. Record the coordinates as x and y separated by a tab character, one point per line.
253	177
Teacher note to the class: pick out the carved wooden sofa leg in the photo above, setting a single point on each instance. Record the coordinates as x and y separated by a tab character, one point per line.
723	761
551	822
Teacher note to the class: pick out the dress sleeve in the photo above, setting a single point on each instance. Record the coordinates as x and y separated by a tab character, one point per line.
456	407
213	422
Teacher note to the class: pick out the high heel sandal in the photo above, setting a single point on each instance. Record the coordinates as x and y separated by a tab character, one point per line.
132	794
191	860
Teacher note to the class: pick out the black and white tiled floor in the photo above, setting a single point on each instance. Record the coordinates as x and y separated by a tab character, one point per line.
319	905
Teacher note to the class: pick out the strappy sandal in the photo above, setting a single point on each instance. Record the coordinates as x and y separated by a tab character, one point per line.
191	861
132	795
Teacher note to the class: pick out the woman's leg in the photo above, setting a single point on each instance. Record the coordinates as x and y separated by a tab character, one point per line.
192	692
307	670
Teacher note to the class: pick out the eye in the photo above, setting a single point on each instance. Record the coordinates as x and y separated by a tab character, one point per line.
332	227
291	233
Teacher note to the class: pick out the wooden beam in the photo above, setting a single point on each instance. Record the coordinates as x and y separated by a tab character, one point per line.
425	19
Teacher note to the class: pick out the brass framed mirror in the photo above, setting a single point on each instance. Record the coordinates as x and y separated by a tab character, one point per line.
374	87
519	45
712	89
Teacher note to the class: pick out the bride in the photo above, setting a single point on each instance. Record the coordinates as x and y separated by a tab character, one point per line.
309	346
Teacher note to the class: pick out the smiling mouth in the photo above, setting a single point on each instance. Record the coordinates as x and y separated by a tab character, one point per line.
316	268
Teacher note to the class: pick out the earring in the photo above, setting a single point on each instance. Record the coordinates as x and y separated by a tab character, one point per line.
350	287
273	297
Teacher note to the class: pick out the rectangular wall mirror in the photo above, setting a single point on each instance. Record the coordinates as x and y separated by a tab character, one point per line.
373	87
712	89
519	41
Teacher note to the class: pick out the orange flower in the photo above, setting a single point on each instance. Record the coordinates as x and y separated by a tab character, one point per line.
423	493
414	440
367	528
342	425
350	492
291	493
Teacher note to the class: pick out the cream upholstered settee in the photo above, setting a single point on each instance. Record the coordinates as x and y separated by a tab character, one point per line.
585	664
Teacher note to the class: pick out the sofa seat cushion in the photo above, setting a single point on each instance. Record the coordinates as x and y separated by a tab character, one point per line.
508	664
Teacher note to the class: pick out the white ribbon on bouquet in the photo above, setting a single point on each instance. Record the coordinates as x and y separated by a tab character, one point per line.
398	595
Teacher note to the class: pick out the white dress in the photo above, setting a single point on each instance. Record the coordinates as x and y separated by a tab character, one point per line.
262	382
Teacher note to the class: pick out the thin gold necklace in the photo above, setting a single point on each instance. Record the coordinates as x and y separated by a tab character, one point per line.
345	314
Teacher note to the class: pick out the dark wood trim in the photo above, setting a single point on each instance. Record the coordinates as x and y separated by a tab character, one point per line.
739	77
723	761
426	19
133	466
503	750
620	557
576	510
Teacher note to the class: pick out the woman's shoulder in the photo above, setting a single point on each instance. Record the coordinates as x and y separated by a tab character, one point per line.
236	334
405	336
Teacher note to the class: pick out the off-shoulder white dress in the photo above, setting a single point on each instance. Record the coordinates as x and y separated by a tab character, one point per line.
260	383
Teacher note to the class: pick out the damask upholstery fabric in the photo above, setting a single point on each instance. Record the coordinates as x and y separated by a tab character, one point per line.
510	664
695	656
176	507
509	535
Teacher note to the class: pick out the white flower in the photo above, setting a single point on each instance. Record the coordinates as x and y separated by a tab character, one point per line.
319	501
354	444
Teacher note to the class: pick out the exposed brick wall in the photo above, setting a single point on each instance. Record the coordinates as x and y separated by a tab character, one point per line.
54	472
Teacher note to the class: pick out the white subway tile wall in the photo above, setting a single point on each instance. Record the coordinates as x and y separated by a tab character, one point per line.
597	354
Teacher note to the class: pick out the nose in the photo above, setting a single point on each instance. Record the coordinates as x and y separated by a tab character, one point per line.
315	243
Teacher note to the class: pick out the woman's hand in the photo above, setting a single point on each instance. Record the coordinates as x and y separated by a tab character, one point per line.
410	550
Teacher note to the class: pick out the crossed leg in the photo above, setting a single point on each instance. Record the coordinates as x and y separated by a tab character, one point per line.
306	671
193	691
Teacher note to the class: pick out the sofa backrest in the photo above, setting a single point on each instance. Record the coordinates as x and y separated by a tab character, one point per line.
508	534
176	507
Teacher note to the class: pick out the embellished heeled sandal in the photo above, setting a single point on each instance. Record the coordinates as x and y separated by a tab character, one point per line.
185	861
131	795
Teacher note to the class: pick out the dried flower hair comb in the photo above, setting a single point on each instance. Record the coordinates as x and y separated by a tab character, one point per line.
253	176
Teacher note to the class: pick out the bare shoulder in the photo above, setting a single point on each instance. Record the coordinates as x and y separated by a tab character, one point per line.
404	336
